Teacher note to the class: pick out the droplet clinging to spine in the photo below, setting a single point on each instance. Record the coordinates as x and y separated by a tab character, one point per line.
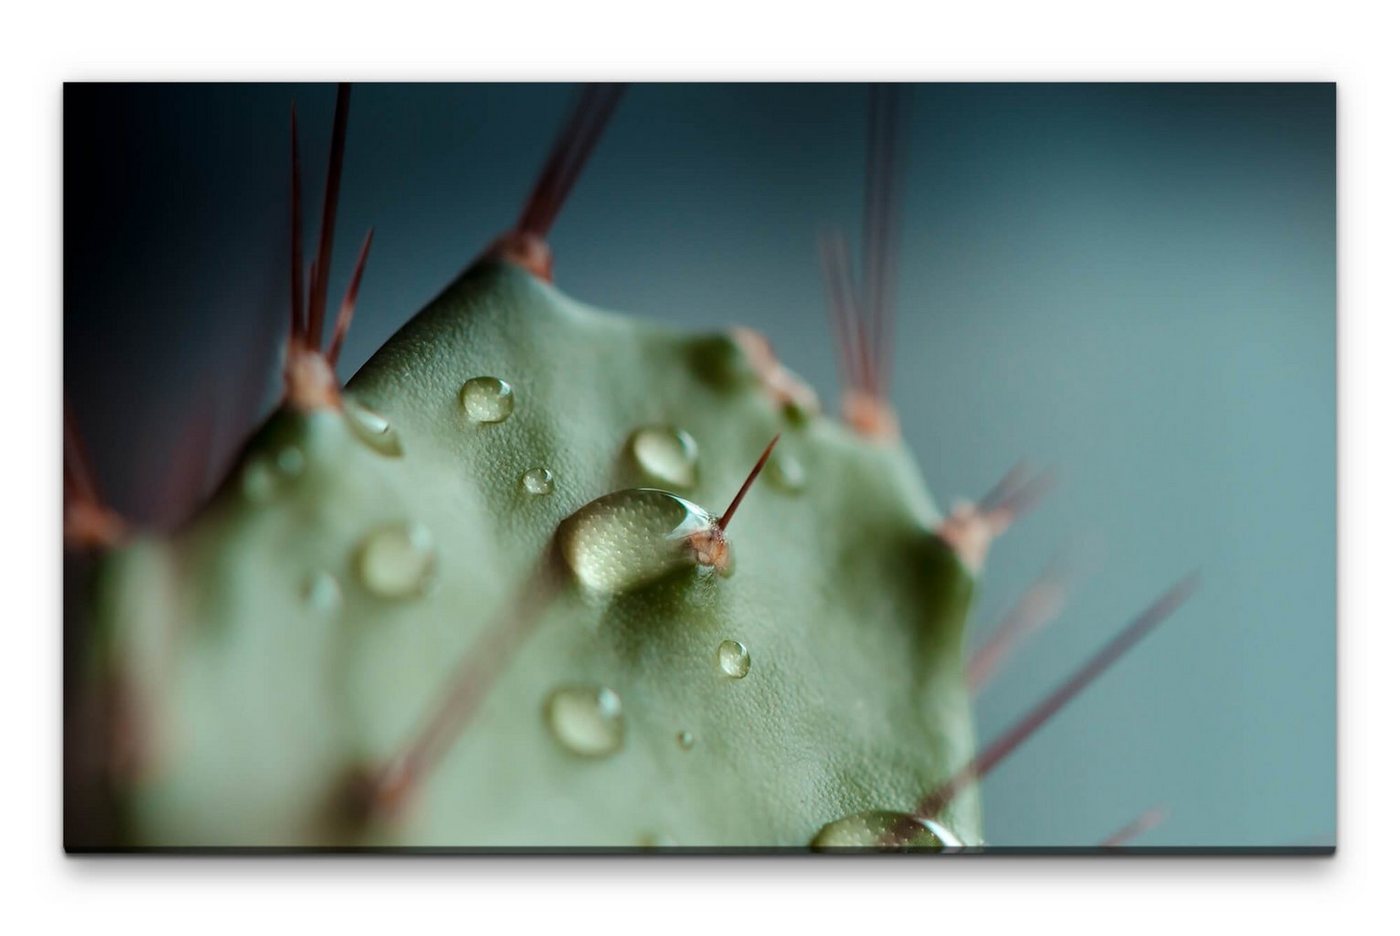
397	561
487	399
666	454
630	538
586	719
884	830
733	659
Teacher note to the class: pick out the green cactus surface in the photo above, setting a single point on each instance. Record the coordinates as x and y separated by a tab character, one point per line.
347	577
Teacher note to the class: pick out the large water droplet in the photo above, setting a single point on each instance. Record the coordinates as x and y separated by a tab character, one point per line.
487	399
537	481
733	659
372	429
586	719
629	538
686	740
666	454
321	592
397	561
786	473
887	831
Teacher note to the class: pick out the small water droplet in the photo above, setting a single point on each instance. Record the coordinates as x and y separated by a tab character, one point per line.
686	740
629	538
538	481
397	561
889	831
321	592
291	462
666	454
786	473
265	475
372	429
733	659
487	399
586	719
259	481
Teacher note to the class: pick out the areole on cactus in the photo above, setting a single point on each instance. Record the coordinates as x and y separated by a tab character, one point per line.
542	575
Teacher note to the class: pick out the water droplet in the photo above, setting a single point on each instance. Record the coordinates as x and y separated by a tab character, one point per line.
265	475
487	399
586	719
321	592
397	561
290	462
686	740
733	659
786	473
889	831
629	538
538	481
259	481
372	429
666	454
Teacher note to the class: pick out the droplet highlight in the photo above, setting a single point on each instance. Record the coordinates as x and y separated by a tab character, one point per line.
666	454
586	720
686	740
786	473
372	429
630	538
733	659
264	476
321	592
885	831
397	561
537	481
487	399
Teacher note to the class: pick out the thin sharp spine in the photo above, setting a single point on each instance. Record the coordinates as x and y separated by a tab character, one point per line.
486	657
298	287
328	210
187	477
862	320
1040	604
880	243
1144	823
1009	482
748	483
87	522
845	320
347	307
78	478
568	156
1026	498
988	758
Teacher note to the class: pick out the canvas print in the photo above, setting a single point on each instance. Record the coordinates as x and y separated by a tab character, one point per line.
812	468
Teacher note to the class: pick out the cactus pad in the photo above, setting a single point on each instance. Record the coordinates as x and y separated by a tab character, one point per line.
366	568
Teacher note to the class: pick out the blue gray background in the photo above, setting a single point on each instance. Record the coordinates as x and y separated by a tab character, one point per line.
1131	283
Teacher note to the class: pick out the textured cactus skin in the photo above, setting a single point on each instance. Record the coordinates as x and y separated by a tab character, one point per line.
255	707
